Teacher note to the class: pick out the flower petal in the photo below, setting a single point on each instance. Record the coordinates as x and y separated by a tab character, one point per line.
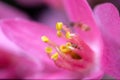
55	4
27	35
79	11
15	66
108	20
7	11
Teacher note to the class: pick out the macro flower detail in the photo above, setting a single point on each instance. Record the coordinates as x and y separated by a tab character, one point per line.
73	51
74	54
84	60
109	24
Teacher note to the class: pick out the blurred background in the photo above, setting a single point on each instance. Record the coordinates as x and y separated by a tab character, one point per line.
40	10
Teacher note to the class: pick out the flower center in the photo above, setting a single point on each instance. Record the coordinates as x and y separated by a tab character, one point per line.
74	54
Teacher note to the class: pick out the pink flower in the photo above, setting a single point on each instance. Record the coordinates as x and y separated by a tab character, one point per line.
15	66
107	17
13	62
27	35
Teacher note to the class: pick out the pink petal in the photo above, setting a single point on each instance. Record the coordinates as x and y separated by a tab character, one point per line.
8	44
55	3
7	11
12	62
27	35
108	19
15	66
79	11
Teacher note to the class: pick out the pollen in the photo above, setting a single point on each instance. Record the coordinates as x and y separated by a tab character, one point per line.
59	26
64	49
68	44
48	50
68	35
71	52
59	33
45	39
55	56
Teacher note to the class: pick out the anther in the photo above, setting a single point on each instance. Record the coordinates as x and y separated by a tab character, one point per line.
59	26
73	54
68	35
55	56
82	26
45	39
64	49
59	33
68	44
48	50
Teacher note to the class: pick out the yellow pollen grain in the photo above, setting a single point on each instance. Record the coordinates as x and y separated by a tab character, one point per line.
45	39
64	49
59	33
68	44
59	26
55	56
68	35
48	50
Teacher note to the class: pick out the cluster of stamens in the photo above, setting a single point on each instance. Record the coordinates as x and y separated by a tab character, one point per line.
67	48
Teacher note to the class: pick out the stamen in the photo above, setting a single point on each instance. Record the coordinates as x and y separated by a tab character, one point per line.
49	42
66	29
68	44
82	26
59	26
59	33
69	54
55	56
45	39
64	49
75	56
68	35
48	50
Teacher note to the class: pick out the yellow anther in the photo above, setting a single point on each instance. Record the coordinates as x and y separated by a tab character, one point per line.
44	39
59	33
55	56
68	35
64	49
59	26
68	44
48	50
